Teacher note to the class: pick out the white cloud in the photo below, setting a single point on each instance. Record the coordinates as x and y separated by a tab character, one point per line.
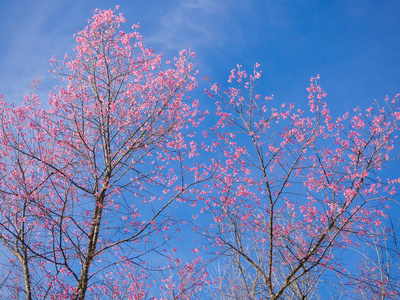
192	23
31	34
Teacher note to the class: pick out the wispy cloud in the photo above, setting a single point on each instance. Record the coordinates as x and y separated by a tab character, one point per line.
31	33
192	23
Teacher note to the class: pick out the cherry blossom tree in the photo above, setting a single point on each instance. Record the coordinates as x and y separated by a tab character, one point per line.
296	192
86	184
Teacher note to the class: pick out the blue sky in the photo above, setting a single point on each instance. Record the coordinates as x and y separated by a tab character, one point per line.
353	45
